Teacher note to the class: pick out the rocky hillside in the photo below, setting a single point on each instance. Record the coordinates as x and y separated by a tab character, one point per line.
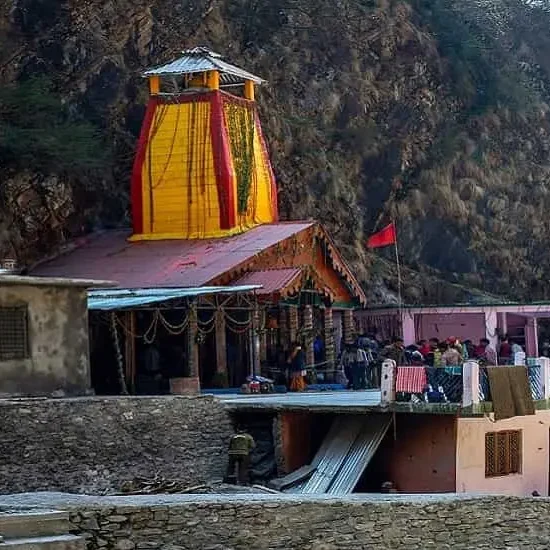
430	111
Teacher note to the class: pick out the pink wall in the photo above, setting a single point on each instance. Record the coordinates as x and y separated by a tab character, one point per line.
462	325
470	455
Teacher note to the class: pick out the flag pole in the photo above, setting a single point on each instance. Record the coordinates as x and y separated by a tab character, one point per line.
399	296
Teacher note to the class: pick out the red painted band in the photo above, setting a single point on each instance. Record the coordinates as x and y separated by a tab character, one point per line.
222	162
136	190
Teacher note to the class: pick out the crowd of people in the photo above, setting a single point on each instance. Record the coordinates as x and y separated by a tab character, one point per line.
360	362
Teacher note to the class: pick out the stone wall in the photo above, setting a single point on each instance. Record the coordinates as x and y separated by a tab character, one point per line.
265	522
57	346
94	444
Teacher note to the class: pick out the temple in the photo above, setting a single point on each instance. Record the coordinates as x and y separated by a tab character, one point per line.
207	273
202	168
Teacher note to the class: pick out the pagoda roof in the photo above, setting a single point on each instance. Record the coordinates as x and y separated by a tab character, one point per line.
201	59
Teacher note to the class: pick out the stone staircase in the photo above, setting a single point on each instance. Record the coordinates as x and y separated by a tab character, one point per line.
37	530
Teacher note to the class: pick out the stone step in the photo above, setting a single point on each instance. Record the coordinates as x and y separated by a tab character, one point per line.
30	523
56	542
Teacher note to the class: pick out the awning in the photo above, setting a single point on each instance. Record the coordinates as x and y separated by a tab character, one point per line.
121	298
273	280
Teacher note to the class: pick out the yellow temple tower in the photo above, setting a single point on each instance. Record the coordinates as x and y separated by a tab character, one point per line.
201	169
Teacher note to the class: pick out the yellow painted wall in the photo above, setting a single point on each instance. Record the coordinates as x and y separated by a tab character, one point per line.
179	173
179	188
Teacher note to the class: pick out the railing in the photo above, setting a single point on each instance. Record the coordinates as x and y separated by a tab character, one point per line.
465	385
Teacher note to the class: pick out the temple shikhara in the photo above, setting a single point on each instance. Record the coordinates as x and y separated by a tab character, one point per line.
202	168
212	287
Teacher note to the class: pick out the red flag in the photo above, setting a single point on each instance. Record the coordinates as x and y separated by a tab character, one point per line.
384	237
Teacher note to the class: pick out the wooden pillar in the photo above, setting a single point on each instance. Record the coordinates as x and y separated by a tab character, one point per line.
130	350
308	339
213	80
263	334
283	328
221	343
292	323
154	85
256	339
330	349
349	328
249	89
531	337
192	382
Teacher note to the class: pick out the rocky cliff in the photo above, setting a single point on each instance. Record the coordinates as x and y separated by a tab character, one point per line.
432	112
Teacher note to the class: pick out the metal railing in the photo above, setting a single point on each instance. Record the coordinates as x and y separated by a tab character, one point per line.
535	375
430	385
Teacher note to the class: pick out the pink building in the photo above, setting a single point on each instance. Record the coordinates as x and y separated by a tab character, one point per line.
519	321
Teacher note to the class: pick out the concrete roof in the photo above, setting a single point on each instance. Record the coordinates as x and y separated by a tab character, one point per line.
20	280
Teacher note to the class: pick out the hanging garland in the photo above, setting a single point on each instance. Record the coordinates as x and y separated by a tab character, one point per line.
240	122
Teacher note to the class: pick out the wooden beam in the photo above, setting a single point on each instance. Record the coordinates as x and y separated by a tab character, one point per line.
221	342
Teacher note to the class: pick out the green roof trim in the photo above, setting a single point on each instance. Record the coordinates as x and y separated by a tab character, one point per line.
457	305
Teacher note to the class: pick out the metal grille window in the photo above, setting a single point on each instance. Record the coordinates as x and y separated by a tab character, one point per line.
14	343
503	453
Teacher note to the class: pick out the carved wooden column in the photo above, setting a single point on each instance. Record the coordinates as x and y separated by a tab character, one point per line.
191	384
256	322
349	327
330	350
308	338
283	328
221	342
263	334
292	323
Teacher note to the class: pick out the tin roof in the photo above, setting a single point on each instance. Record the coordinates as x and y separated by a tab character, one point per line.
164	264
121	298
271	280
198	60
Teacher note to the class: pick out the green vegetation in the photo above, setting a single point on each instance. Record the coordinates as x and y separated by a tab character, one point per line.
37	132
485	69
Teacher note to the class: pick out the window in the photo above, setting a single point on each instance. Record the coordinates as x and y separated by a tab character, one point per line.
503	453
14	342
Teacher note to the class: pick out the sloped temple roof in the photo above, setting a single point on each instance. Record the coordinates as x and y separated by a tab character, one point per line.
198	60
183	263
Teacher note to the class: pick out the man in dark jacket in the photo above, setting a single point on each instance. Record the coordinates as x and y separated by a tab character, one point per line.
240	447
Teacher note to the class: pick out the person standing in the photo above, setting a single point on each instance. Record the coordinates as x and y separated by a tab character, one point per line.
240	447
505	351
359	369
346	363
297	364
486	353
396	352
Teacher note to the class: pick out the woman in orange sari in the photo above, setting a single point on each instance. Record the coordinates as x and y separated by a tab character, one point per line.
297	362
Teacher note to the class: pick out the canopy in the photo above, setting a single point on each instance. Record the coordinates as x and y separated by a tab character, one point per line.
122	298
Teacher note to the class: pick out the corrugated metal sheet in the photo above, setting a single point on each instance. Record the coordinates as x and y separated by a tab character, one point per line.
361	453
307	400
163	264
344	454
117	299
271	280
199	60
343	433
